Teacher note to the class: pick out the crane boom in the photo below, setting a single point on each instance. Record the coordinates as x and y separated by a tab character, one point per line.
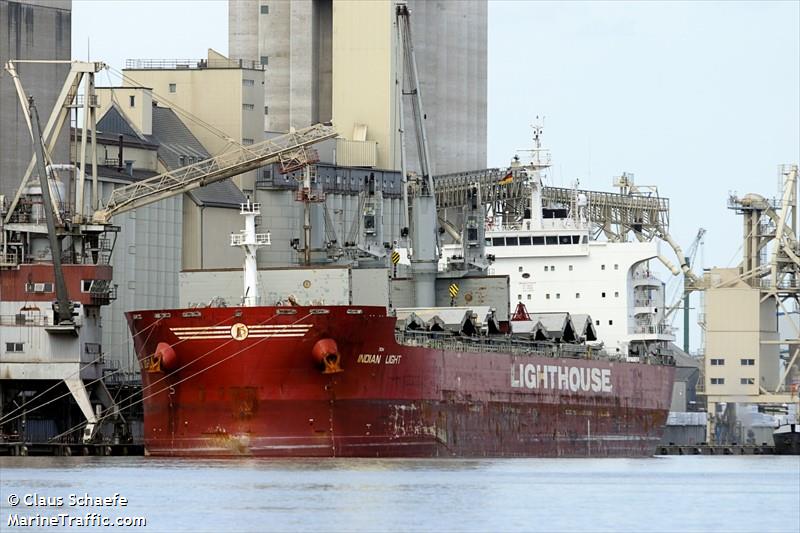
232	163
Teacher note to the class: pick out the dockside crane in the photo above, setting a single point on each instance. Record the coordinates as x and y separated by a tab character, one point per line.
423	219
74	237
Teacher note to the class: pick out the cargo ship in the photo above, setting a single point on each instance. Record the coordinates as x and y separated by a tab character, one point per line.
342	381
370	381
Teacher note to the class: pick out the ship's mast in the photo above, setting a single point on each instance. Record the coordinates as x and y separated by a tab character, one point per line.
250	242
540	160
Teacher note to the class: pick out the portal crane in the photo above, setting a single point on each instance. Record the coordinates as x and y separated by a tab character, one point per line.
425	253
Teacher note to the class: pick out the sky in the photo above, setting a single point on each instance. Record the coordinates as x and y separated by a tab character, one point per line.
701	99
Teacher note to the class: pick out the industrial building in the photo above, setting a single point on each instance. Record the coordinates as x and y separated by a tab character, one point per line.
37	29
338	59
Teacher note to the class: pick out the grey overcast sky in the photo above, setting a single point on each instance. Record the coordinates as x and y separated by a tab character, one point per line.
699	98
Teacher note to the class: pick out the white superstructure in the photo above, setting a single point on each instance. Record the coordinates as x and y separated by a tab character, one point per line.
555	265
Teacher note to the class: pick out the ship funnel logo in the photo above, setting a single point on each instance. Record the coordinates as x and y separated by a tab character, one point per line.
239	332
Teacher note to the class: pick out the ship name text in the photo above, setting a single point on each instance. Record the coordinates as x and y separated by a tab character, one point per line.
376	359
556	377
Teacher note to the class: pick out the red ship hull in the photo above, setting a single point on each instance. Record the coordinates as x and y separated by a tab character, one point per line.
214	388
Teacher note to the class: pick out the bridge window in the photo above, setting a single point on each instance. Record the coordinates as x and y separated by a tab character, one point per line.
564	239
488	241
551	240
498	241
537	241
576	239
524	241
512	241
584	239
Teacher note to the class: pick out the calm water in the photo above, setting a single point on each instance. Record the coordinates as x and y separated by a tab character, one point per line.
720	494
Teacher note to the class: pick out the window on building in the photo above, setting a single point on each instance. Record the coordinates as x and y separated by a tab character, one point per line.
266	110
248	107
747	381
529	296
616	267
717	362
558	296
547	296
616	294
14	347
602	267
246	141
132	100
603	294
173	87
577	295
248	83
39	287
748	362
546	268
570	268
552	268
610	322
86	285
596	322
264	60
519	297
718	381
265	10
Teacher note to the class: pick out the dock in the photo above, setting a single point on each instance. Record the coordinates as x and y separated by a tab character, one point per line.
716	449
21	449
